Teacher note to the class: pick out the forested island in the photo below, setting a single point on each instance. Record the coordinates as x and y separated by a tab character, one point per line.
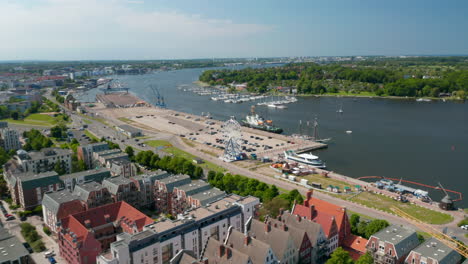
413	77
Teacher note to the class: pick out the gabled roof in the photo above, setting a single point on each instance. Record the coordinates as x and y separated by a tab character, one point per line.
83	190
95	174
112	184
97	217
256	249
53	200
228	255
277	238
355	245
404	239
194	187
297	234
434	249
311	228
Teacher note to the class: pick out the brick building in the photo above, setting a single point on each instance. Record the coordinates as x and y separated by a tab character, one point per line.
432	251
392	244
85	235
58	205
92	194
122	189
27	189
145	186
163	191
85	152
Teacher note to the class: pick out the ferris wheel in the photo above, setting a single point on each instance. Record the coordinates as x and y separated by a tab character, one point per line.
232	135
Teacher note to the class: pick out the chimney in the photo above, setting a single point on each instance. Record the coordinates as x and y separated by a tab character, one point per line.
309	194
246	240
268	227
228	253
285	227
312	210
87	223
298	217
221	251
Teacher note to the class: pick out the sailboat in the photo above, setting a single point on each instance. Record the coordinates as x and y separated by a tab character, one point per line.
340	111
316	135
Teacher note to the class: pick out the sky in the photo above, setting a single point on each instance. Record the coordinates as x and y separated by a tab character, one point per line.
187	29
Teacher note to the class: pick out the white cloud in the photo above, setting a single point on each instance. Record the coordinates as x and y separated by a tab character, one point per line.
114	29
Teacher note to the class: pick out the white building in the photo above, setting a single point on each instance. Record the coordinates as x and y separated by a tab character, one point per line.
9	139
160	242
45	160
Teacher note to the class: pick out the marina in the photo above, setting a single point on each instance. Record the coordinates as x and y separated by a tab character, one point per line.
375	150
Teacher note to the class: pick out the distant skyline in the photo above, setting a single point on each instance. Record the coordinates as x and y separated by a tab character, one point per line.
189	29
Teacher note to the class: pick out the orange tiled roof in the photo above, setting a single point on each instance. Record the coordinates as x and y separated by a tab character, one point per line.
96	217
356	242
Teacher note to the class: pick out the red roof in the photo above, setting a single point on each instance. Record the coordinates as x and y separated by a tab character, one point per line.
97	217
321	211
355	245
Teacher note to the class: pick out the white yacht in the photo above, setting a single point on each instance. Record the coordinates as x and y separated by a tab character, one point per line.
305	158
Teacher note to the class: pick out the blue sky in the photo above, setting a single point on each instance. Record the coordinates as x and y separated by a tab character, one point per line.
168	29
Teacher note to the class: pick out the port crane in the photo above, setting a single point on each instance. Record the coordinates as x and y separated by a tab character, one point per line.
447	240
159	99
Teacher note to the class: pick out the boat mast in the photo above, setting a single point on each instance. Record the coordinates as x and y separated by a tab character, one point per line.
315	129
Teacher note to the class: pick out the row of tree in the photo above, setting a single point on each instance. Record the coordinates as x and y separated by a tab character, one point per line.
341	256
272	200
311	78
172	164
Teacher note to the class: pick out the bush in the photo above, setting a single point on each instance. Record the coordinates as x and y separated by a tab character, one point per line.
37	210
14	206
46	230
38	246
463	222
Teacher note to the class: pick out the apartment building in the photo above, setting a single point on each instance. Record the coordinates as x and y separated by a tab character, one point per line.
122	189
85	235
44	160
85	152
92	194
145	186
163	191
162	240
9	139
27	189
58	205
392	244
97	175
432	251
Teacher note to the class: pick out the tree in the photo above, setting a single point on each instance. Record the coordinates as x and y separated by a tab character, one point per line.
198	173
365	259
340	256
59	168
361	228
270	193
130	152
375	226
211	175
14	115
273	206
354	221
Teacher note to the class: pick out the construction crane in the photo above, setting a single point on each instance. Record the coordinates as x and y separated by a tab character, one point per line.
447	240
159	99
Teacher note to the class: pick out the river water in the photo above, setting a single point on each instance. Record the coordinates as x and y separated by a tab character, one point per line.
425	142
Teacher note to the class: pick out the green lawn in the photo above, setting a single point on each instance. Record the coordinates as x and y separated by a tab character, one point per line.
99	119
91	135
36	120
167	147
87	121
385	204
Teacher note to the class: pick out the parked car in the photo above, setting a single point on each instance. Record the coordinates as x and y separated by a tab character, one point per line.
48	254
464	227
28	247
52	260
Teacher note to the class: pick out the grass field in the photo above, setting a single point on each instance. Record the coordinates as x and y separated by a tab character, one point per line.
99	119
35	120
167	147
87	121
90	135
382	202
386	203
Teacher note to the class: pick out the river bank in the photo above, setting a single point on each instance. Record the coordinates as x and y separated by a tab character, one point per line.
344	94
